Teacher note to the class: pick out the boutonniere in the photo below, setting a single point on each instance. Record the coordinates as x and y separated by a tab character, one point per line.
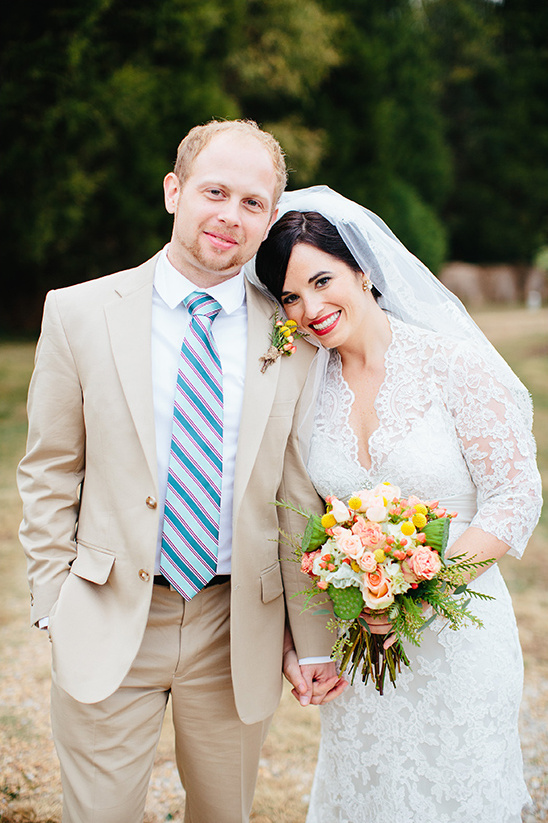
282	341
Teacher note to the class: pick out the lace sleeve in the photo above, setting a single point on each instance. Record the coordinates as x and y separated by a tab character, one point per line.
498	447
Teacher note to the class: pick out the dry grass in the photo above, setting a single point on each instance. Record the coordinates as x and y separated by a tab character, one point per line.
29	779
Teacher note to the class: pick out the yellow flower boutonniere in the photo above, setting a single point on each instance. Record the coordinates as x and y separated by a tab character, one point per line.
282	341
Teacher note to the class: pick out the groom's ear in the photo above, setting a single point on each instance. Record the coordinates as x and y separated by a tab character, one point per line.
172	190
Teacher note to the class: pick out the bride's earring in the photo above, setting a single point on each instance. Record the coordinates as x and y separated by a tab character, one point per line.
367	284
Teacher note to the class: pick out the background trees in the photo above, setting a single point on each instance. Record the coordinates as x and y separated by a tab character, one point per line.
432	113
493	60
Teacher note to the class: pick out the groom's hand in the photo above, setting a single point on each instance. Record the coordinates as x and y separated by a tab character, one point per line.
323	682
313	683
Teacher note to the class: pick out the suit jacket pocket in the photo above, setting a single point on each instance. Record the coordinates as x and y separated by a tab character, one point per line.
92	563
271	583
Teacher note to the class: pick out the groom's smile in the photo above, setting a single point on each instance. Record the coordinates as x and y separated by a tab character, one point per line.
221	241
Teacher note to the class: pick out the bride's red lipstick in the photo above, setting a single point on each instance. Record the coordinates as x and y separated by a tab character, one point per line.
325	329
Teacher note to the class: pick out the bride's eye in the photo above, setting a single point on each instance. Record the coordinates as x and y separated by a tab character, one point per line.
322	281
289	298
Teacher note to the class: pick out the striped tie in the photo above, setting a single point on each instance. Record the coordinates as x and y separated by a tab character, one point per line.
190	539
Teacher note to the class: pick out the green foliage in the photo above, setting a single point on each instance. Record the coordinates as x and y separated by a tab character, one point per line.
494	75
442	594
541	258
285	49
433	114
418	225
314	534
99	98
385	135
347	603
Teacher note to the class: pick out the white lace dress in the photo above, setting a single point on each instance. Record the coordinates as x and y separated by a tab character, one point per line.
442	747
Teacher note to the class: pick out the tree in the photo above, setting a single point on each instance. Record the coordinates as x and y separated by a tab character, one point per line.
284	51
494	59
97	95
432	113
380	110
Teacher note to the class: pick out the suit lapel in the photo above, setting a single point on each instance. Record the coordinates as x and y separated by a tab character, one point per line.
129	318
129	323
259	391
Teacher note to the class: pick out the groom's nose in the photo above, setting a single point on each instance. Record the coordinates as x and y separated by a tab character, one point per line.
229	212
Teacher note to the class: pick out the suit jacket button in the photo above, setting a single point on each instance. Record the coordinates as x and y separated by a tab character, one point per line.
144	575
151	502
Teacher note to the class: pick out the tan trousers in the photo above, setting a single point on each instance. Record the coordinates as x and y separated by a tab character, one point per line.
106	749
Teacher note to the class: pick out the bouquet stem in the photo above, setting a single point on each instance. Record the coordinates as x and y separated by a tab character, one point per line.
365	652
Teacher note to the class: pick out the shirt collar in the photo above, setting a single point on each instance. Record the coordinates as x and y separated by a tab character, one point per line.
173	287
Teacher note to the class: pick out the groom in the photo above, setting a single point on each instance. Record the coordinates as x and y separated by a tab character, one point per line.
156	448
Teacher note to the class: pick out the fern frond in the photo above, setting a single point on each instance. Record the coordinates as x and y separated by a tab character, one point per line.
283	504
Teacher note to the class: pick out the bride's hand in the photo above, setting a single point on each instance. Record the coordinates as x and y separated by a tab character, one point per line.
379	624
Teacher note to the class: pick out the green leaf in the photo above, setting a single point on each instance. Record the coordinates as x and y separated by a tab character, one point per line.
437	534
347	603
364	624
428	622
314	534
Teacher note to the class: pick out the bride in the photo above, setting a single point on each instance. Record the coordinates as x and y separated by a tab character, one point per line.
413	394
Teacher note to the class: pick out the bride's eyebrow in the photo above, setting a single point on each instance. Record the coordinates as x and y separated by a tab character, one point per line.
311	279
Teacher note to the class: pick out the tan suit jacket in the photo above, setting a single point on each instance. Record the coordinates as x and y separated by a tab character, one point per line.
89	487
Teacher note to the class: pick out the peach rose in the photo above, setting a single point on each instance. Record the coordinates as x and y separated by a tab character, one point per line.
377	589
373	503
367	562
350	544
424	563
370	534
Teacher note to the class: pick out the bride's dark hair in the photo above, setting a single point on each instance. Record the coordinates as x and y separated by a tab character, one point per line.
295	227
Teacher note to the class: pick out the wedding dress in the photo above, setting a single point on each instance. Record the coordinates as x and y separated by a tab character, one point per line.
443	746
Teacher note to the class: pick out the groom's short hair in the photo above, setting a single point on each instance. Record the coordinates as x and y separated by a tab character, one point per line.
199	137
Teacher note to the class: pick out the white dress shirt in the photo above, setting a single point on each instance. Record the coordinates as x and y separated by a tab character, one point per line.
170	321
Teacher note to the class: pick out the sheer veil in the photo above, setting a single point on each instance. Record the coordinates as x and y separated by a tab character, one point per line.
407	287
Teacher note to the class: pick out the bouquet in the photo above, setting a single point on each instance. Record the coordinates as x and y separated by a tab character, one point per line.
385	554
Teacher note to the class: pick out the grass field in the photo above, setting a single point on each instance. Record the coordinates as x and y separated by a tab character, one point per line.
29	780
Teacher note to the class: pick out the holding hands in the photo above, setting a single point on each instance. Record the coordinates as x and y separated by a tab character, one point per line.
313	683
